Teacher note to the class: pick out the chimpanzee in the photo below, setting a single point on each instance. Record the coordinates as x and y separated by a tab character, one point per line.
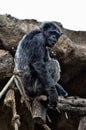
32	57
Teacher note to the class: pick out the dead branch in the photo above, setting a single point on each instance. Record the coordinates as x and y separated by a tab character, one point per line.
82	124
73	101
38	110
72	104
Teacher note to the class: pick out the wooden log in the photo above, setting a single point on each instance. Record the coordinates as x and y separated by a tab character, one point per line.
73	101
38	110
72	104
82	124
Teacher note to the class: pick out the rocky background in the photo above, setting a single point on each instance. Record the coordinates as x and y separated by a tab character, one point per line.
70	51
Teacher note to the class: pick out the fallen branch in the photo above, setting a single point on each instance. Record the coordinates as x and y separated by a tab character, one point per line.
72	104
39	112
82	124
73	101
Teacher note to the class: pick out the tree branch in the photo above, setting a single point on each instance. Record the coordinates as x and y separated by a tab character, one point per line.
72	104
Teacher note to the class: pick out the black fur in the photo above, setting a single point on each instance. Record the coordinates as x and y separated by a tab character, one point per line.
31	57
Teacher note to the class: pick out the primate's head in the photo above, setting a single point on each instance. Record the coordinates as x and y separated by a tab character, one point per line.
52	33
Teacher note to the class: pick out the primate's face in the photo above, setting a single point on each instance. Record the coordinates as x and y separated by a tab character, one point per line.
52	38
52	33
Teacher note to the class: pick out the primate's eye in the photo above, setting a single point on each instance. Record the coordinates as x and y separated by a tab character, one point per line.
55	33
